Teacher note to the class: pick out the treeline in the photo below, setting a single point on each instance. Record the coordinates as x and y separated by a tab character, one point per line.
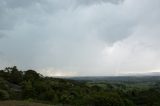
32	86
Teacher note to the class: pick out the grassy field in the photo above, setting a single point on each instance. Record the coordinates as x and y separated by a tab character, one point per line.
21	103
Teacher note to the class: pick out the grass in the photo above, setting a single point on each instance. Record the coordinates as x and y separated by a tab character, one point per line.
21	103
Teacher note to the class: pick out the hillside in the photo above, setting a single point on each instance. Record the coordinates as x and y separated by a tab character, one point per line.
32	87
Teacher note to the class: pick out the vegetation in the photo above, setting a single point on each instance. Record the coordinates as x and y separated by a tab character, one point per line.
20	103
34	87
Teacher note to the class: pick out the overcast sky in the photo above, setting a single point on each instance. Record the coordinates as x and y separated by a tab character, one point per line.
81	37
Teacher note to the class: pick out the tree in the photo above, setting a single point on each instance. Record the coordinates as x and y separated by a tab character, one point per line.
28	90
104	99
31	75
15	75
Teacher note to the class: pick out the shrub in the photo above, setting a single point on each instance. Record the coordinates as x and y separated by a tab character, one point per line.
4	95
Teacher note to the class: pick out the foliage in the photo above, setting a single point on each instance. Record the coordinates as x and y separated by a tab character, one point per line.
4	95
32	86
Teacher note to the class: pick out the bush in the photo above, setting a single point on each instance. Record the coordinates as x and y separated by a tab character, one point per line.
105	99
3	84
4	95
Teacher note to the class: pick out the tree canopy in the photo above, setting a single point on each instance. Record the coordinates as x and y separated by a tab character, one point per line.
30	85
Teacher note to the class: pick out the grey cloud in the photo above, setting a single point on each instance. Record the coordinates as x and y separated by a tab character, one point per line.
116	31
89	2
2	35
13	9
18	3
54	34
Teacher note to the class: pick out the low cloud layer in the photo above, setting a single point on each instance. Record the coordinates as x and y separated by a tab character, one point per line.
80	37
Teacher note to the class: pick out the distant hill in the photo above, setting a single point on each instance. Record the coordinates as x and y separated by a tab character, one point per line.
131	78
142	74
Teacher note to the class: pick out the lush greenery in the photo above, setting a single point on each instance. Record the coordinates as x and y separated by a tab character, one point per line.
32	86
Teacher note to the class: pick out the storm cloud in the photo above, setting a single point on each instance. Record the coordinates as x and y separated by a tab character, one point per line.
80	37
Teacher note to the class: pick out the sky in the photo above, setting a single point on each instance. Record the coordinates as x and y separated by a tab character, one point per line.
80	37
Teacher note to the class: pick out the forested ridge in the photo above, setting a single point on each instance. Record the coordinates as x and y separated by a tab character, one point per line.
32	86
